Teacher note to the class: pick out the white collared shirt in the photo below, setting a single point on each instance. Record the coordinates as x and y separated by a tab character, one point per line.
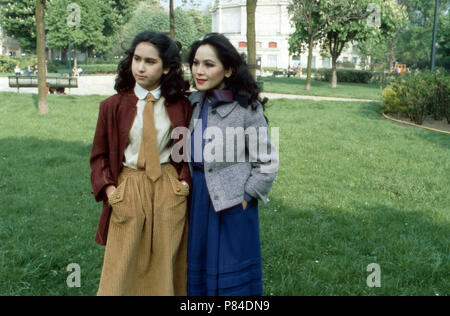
162	124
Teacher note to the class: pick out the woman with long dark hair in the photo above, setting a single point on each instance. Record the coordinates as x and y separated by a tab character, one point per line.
144	192
228	175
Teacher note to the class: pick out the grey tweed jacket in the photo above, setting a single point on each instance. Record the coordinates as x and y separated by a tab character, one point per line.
241	156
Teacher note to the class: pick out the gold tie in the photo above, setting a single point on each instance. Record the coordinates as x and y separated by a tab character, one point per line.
148	153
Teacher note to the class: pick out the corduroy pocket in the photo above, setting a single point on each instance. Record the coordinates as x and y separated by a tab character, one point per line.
178	187
118	194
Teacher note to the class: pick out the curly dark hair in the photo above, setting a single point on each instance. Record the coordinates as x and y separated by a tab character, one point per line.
241	81
173	86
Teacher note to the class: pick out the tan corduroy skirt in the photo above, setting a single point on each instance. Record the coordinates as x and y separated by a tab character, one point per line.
146	247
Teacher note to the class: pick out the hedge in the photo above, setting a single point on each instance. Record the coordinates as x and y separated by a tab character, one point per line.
419	96
346	75
7	64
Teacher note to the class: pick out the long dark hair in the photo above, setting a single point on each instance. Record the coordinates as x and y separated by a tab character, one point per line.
241	81
173	86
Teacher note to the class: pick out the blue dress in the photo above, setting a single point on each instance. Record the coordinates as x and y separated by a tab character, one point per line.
224	249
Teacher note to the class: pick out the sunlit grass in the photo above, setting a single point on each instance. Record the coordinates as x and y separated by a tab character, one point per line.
352	189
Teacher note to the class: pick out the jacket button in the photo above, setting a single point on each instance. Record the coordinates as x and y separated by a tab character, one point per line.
118	196
178	190
216	197
210	170
213	112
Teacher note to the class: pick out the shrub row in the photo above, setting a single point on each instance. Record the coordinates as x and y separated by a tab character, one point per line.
346	75
419	96
7	64
100	68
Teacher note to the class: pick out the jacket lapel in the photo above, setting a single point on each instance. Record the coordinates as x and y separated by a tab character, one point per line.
127	112
224	109
196	98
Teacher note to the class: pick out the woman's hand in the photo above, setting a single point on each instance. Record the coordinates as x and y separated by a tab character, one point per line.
185	183
110	190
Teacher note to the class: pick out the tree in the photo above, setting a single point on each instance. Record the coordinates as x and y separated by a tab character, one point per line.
186	31
99	23
172	16
251	36
309	27
40	45
18	20
172	19
158	20
414	41
348	22
198	20
87	36
145	20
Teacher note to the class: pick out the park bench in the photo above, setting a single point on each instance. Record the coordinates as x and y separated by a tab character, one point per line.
283	72
278	72
32	82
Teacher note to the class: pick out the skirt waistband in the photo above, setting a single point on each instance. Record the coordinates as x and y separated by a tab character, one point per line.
131	171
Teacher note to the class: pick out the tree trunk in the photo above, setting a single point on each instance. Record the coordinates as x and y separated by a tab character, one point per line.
334	72
75	60
172	20
310	55
40	48
251	37
391	51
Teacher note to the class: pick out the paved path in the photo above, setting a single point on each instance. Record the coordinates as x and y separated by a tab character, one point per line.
310	97
104	85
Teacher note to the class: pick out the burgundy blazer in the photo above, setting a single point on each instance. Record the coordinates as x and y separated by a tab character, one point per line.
115	119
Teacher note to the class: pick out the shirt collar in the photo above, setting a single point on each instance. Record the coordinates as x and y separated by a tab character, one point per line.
141	92
220	96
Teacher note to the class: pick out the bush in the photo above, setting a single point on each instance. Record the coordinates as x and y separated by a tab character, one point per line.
51	67
24	62
100	68
346	75
269	69
391	100
415	94
93	69
7	64
442	95
419	95
385	78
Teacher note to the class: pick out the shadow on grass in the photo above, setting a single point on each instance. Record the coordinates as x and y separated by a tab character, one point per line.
369	110
372	111
317	250
439	139
35	100
48	217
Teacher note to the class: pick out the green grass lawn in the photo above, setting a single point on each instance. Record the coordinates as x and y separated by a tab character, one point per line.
352	190
322	88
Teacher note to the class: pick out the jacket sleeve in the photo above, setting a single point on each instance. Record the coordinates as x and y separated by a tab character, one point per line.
99	160
263	156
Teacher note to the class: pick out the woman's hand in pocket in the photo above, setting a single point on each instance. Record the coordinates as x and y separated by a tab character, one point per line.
109	191
185	184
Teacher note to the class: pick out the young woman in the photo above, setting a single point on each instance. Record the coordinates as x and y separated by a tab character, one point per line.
144	193
224	252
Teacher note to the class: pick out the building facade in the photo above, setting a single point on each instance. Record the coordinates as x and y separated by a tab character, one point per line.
273	29
9	46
